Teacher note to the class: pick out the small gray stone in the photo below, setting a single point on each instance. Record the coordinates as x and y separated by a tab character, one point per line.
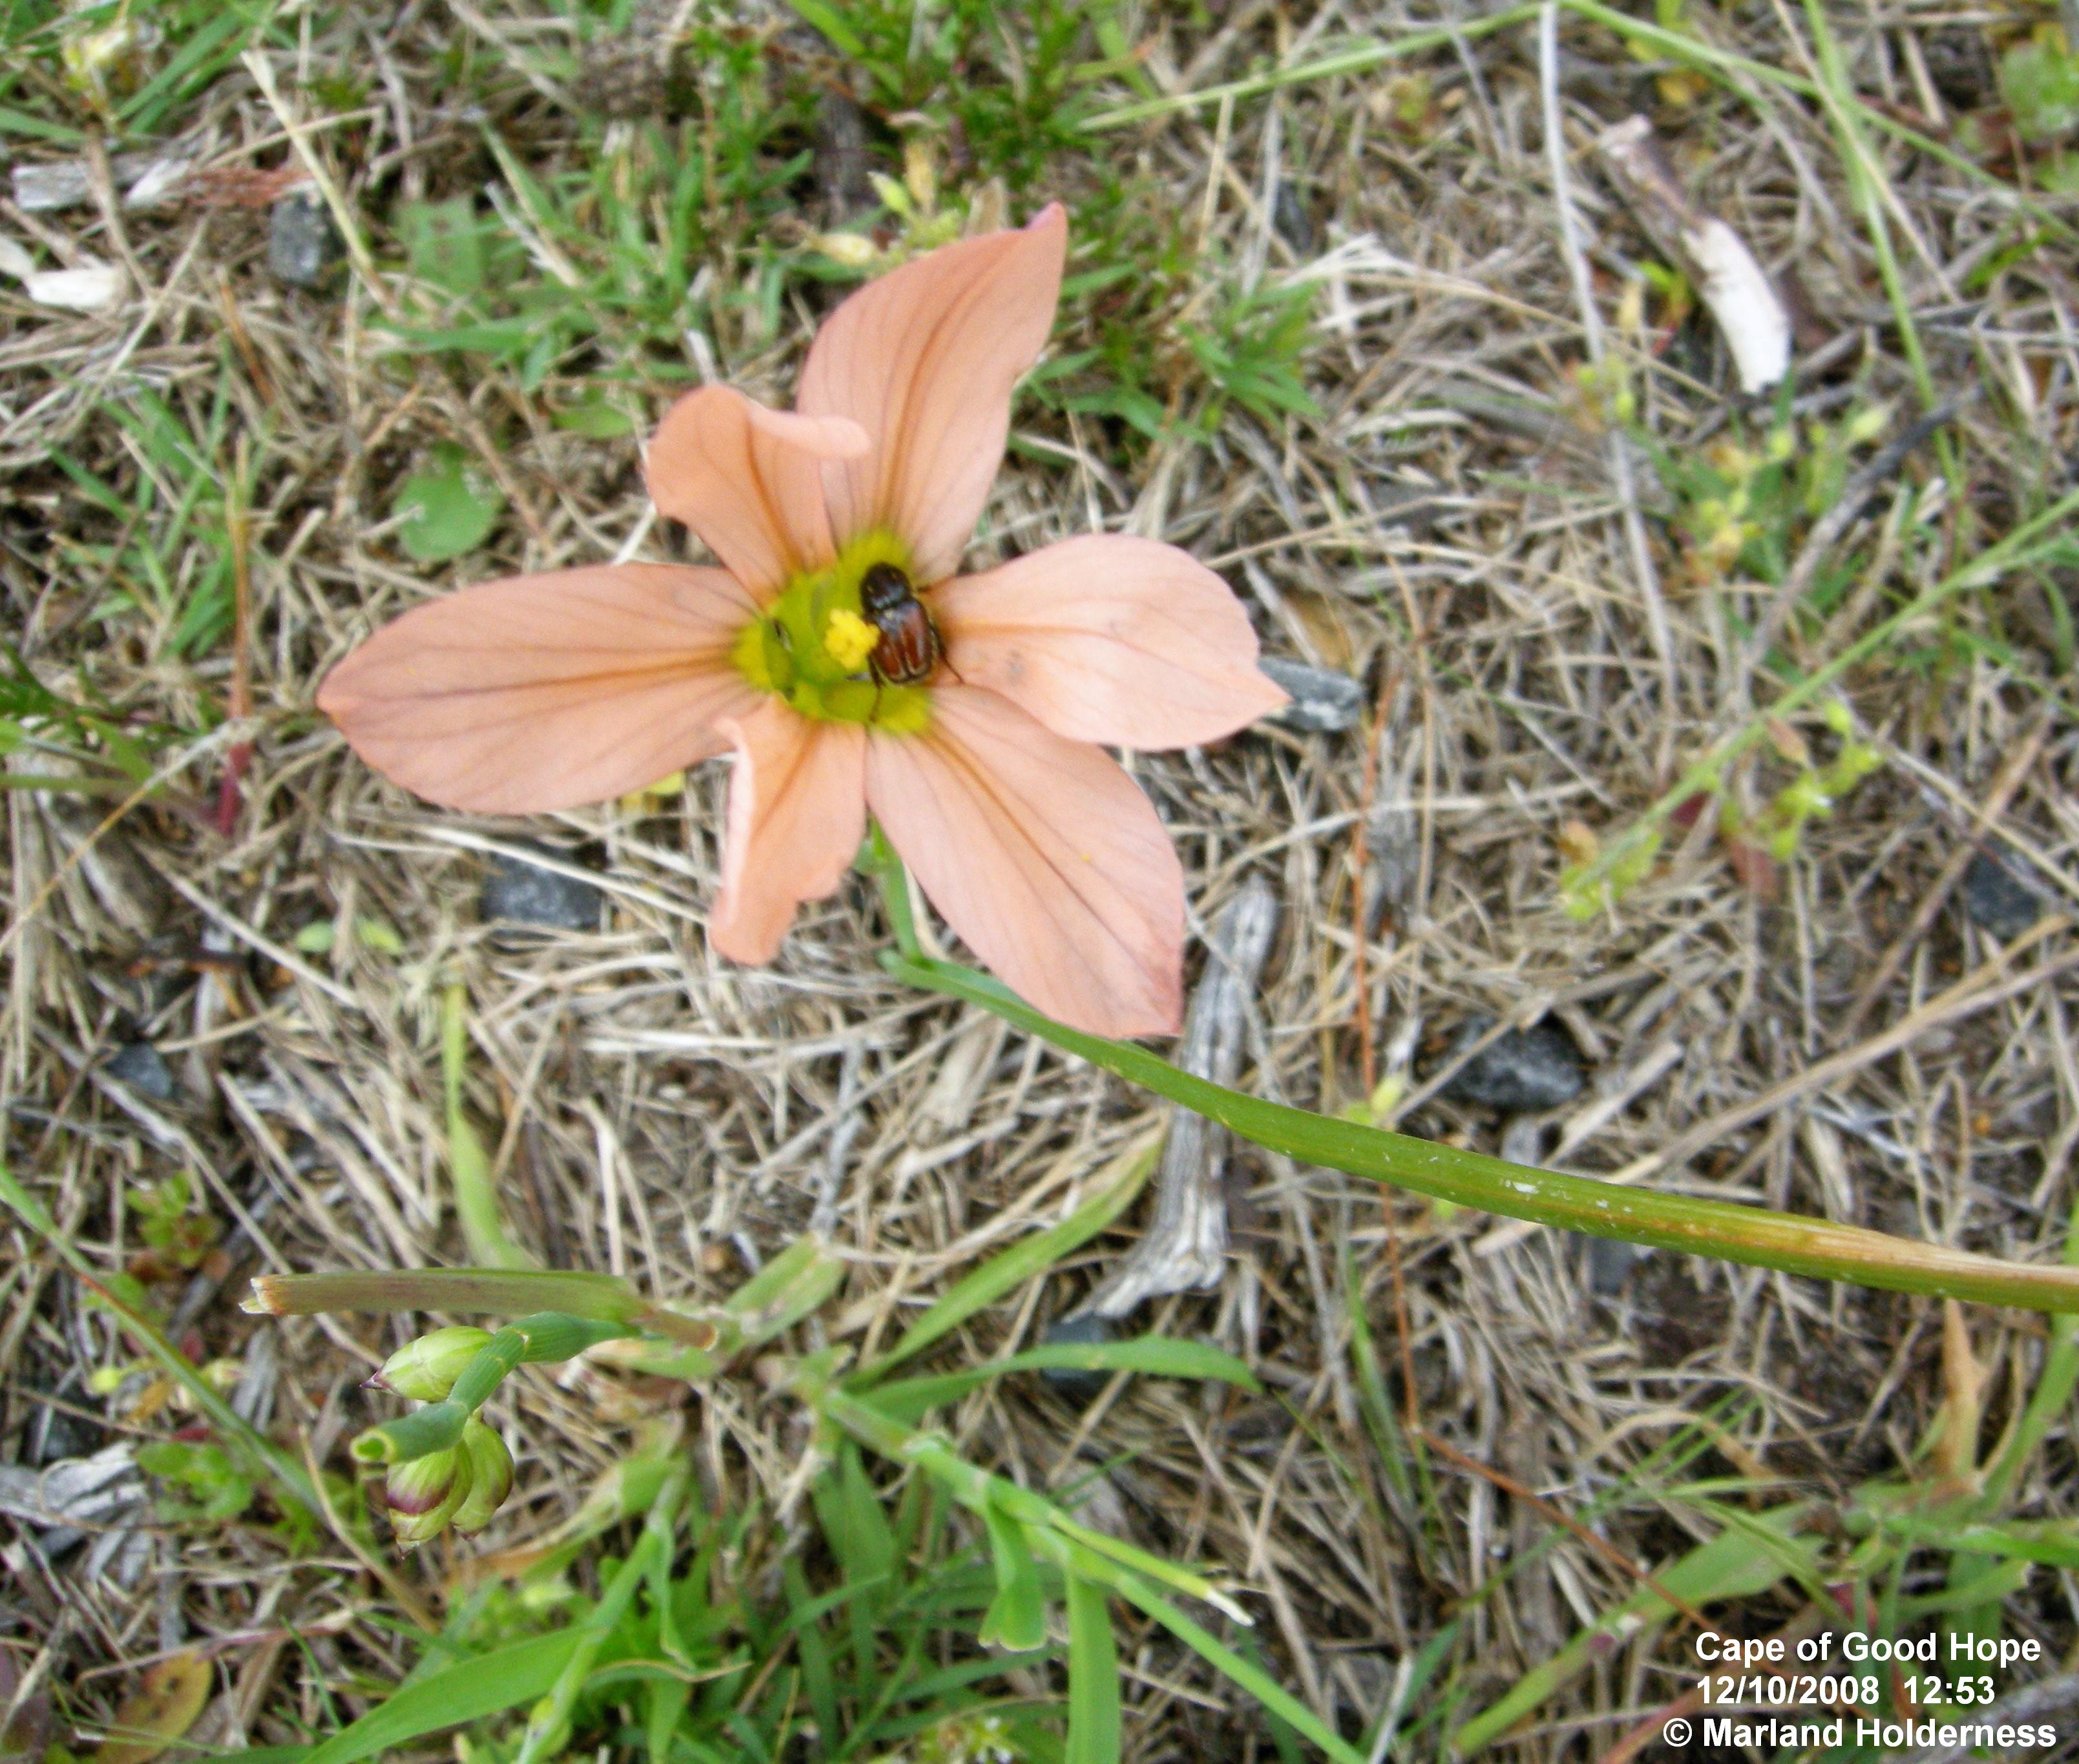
1523	1071
302	247
1323	701
142	1067
1075	1385
518	893
1999	895
1610	1264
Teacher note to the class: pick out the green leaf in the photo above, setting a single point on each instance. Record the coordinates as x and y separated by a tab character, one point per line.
1156	1355
1023	1259
219	1491
444	243
1017	1616
379	935
465	1691
449	509
494	336
597	418
1094	1713
2040	79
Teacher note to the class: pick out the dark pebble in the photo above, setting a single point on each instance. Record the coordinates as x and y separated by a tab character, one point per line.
1998	896
1294	225
55	1433
1080	1388
142	1067
1525	1070
517	892
1323	701
302	247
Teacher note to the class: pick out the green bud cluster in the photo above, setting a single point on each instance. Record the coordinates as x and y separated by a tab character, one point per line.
461	1484
442	1466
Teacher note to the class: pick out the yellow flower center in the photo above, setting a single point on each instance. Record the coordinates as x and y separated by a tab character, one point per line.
812	645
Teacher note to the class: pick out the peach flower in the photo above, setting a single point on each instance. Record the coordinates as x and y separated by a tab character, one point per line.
984	770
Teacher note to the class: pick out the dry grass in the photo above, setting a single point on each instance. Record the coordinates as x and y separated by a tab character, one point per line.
1447	531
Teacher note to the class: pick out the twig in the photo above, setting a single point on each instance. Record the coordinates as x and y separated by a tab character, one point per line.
1592	330
1749	313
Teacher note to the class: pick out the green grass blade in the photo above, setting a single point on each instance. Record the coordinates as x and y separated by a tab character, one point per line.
1153	1356
1093	1711
1735	1563
1246	1674
468	1166
831	21
1357	58
1023	1259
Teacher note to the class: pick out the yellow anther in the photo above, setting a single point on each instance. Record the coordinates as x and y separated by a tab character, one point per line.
849	639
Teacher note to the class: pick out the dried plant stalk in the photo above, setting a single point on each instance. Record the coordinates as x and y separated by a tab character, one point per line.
1734	285
1186	1244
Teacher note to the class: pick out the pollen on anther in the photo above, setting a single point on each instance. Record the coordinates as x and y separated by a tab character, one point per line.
849	639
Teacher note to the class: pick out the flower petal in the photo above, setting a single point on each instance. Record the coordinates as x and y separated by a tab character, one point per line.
1045	857
925	359
749	481
543	692
1112	639
796	814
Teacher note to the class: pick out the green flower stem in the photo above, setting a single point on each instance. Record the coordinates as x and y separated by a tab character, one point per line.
489	1370
1636	1215
794	1283
497	1290
589	1297
879	861
424	1431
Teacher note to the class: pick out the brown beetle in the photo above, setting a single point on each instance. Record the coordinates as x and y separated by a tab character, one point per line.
910	648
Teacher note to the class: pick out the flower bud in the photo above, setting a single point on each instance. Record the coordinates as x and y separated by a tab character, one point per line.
425	1369
490	1476
424	1495
854	250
